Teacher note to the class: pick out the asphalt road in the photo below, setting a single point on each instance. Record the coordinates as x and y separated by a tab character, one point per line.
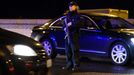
92	67
89	67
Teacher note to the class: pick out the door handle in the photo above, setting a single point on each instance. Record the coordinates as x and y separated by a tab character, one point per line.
53	29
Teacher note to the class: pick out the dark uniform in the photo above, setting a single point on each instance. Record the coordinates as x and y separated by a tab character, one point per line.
72	30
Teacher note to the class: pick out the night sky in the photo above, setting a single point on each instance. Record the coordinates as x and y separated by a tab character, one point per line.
41	9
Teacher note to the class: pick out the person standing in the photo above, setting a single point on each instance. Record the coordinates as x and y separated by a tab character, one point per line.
72	27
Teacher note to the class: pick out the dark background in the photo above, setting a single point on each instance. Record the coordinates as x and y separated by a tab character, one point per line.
40	9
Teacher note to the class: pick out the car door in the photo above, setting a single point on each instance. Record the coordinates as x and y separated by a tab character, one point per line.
92	39
58	33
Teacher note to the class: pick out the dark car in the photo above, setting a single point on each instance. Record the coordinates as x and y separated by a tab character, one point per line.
101	35
21	55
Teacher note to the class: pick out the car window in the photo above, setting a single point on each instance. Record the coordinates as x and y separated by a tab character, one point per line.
59	22
102	22
111	22
87	23
119	23
105	23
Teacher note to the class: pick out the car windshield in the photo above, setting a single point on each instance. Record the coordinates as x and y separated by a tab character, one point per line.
112	23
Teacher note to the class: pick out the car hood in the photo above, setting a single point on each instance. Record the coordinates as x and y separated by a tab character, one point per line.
8	37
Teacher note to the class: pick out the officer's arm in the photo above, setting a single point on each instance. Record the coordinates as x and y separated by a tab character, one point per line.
64	25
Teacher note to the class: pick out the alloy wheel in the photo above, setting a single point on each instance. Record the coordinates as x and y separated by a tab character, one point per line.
48	47
119	54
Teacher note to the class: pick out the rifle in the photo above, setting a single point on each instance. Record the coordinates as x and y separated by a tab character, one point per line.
66	29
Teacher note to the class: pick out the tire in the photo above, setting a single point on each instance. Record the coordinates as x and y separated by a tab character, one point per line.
49	48
120	54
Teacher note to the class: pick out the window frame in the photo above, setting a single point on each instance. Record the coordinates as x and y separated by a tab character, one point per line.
59	19
93	22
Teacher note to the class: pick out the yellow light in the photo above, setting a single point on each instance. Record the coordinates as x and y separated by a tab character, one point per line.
38	44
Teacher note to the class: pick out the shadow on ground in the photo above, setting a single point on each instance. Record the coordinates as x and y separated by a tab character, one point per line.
92	67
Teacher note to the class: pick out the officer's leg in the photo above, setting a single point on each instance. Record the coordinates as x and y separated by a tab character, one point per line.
68	54
75	51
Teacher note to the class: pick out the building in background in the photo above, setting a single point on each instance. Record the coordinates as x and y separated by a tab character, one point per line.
119	12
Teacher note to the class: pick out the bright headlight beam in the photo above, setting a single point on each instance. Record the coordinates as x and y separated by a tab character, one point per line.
132	39
24	50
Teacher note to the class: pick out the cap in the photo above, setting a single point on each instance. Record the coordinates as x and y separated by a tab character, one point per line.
73	3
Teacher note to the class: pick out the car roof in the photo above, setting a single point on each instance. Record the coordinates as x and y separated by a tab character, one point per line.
87	12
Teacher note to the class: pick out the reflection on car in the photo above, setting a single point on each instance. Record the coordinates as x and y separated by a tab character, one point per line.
21	55
101	35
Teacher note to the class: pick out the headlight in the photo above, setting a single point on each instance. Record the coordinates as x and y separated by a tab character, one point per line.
132	39
24	50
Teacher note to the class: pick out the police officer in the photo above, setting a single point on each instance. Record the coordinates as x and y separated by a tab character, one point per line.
71	27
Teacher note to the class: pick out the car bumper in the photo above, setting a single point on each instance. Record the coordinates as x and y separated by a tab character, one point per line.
27	65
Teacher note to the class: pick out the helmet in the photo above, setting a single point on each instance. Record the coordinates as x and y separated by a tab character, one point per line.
73	3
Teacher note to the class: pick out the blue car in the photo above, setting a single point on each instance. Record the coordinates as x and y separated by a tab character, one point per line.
101	35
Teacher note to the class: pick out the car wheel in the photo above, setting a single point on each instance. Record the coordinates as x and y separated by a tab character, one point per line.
49	48
120	54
